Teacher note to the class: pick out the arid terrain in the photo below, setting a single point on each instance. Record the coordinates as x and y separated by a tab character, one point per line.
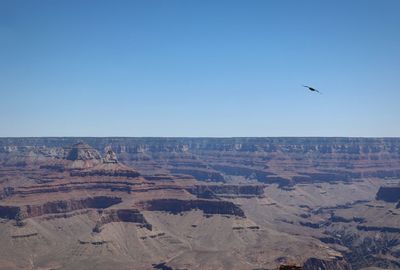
200	203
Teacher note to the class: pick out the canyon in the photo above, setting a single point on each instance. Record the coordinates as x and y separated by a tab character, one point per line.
200	203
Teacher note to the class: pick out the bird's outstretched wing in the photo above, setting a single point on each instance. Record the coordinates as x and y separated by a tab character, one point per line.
311	88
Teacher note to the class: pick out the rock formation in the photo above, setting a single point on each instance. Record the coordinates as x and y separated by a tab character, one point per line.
199	203
121	215
176	206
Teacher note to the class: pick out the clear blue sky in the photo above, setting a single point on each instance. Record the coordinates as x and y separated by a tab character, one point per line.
199	68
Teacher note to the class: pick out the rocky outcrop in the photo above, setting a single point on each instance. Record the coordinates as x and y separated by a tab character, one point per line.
80	156
121	215
176	206
110	157
54	207
81	151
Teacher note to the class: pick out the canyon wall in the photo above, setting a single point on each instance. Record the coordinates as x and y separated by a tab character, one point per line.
285	161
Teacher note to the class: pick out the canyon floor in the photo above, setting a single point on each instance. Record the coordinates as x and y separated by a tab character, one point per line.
199	203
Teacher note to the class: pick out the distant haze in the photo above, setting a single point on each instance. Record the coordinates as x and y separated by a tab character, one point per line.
199	68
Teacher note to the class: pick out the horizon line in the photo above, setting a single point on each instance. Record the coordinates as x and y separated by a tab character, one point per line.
199	137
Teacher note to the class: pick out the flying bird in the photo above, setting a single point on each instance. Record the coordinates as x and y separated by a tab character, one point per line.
311	89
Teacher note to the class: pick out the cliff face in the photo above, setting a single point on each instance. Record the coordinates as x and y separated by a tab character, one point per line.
389	194
9	212
56	207
176	206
